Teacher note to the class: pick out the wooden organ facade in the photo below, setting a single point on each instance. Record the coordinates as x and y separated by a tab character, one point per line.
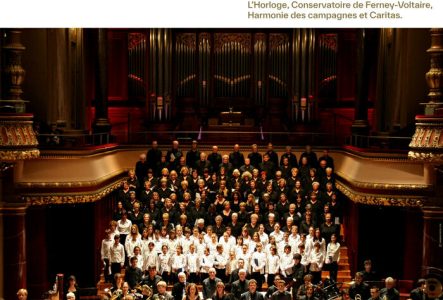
192	75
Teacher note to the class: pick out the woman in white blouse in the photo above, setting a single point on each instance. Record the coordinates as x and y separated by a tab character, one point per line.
272	265
333	257
321	240
264	238
124	227
316	259
132	240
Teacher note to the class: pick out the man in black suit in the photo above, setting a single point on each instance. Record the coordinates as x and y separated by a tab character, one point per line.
141	169
359	288
152	279
267	166
389	292
252	293
201	164
179	288
236	158
193	155
254	156
273	288
240	286
234	274
418	293
153	156
162	294
281	293
368	274
247	166
292	159
209	284
329	159
215	159
311	156
273	156
133	274
173	155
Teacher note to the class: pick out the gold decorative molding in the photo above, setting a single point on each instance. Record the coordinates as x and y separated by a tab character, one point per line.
71	198
17	138
426	156
428	135
19	154
15	132
380	200
427	142
385	186
74	184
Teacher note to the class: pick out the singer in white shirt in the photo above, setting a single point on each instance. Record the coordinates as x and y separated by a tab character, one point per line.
333	257
316	259
287	262
258	264
272	265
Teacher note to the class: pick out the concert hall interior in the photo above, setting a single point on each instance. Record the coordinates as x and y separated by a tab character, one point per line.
338	129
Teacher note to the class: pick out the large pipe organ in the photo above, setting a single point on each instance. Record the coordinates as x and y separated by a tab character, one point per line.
232	70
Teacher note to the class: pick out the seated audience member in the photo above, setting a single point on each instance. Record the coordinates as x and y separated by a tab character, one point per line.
125	291
301	291
118	283
281	293
72	286
272	287
209	285
240	286
162	294
419	292
359	288
70	296
22	294
191	292
252	293
220	293
152	279
375	293
179	287
369	274
133	274
309	294
389	292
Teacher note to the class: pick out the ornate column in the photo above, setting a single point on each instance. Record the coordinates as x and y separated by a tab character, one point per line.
360	126
427	146
101	121
17	142
14	74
